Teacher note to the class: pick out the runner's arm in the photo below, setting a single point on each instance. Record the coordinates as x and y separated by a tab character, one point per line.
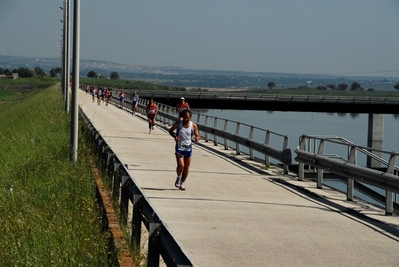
196	132
172	130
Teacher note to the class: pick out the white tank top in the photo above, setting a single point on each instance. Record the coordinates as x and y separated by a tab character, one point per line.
185	135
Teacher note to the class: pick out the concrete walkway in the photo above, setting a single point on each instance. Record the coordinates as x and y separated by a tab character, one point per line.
236	213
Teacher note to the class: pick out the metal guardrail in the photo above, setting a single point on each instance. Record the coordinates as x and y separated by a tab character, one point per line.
124	189
209	125
346	166
267	97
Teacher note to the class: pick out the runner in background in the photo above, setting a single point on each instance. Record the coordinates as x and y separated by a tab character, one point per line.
152	110
99	94
182	105
93	93
122	98
107	96
135	100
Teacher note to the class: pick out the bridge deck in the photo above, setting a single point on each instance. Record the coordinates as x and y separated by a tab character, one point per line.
234	213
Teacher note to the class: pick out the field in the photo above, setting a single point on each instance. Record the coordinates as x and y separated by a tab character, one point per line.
49	214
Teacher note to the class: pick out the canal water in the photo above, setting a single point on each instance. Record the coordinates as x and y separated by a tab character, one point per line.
352	127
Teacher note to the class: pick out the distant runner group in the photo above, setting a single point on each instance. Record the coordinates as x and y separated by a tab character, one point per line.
183	131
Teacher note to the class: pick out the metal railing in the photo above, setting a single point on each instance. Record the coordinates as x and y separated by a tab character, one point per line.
266	97
124	189
231	131
346	165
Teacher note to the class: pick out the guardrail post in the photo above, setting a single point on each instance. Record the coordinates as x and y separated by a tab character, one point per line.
100	144
251	136
104	156
124	199
301	166
215	138
267	141
154	244
154	232
388	203
116	180
110	162
320	171
389	194
198	118
198	122
170	112
161	119
142	109
350	190
139	104
238	127
226	145
206	133
136	220
285	146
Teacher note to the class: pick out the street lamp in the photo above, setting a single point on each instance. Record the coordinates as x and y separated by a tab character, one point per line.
65	53
75	82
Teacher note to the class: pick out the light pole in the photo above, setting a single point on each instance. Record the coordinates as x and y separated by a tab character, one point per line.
75	81
63	36
65	54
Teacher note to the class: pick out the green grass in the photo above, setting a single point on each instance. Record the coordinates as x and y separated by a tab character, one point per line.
36	82
12	90
48	208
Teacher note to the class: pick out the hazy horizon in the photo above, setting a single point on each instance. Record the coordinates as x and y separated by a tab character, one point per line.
320	37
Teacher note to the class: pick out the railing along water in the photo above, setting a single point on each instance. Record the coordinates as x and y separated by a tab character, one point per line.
347	166
267	97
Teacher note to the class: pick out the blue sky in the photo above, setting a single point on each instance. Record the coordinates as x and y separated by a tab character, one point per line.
343	37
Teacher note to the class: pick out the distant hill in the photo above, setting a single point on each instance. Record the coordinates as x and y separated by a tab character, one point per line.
188	77
12	62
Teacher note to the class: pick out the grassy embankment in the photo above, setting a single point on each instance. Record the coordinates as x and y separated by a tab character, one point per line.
48	208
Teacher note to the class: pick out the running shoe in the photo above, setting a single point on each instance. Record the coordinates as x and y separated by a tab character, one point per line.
182	187
178	182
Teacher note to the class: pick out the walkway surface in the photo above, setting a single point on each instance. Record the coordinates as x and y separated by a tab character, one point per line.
236	213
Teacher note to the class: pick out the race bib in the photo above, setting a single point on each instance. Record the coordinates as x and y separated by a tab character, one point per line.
185	146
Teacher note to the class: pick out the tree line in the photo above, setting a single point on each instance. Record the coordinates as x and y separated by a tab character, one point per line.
355	86
57	72
92	74
54	72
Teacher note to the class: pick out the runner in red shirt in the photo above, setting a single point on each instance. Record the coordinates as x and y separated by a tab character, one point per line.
182	105
152	110
107	96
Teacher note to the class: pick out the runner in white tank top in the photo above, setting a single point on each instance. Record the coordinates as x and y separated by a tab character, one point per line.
186	130
184	144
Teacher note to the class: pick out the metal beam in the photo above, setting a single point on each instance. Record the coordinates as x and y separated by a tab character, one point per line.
376	178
